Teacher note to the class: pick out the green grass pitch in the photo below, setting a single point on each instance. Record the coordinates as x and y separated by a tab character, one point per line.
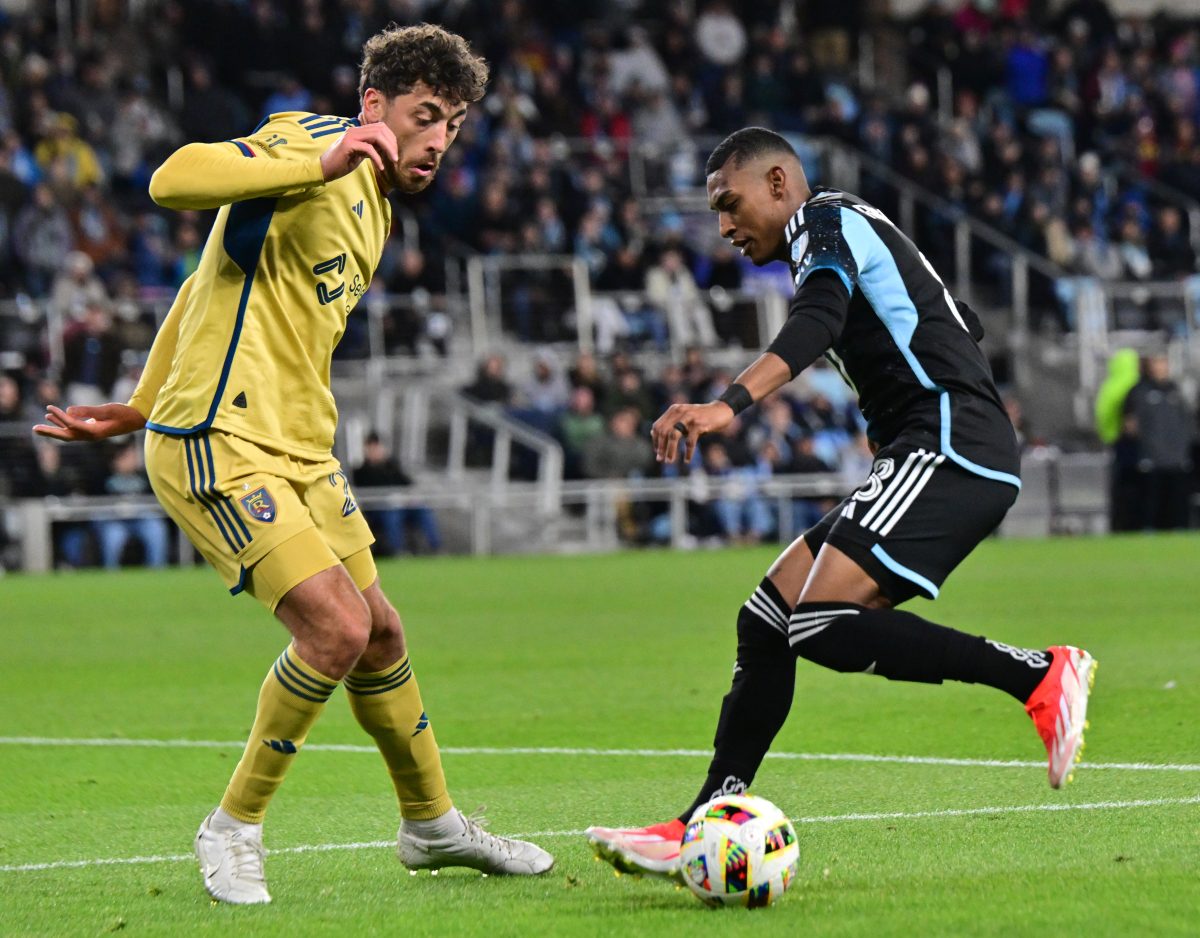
630	652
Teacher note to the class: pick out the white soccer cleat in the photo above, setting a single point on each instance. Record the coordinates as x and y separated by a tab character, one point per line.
472	847
232	863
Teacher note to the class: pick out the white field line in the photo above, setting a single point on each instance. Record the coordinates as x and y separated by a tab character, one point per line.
820	819
578	751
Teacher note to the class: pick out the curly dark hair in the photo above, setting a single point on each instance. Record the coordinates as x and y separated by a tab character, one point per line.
398	58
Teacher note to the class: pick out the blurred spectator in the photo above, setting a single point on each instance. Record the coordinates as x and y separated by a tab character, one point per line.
210	111
380	469
621	452
546	391
127	479
720	35
92	357
579	424
53	479
585	373
42	237
742	514
77	287
98	229
1169	248
1113	429
64	154
141	134
629	393
671	287
490	385
1162	425
11	410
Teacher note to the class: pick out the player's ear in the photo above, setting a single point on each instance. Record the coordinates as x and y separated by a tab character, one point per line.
776	181
373	105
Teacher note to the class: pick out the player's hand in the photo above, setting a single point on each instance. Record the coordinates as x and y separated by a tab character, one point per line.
374	142
89	424
668	432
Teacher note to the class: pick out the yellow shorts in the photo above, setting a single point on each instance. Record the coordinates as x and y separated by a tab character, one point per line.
265	520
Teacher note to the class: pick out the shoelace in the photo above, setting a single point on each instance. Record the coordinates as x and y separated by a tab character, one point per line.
476	822
247	857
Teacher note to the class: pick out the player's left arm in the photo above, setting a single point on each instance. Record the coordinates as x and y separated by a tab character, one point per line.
815	320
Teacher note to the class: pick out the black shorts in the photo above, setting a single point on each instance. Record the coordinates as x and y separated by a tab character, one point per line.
914	520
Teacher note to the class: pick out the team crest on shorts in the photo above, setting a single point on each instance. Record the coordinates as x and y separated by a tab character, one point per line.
259	505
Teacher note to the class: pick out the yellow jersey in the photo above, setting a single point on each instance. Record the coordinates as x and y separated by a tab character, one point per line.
246	347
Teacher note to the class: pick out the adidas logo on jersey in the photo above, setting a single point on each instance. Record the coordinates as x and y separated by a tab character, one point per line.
357	208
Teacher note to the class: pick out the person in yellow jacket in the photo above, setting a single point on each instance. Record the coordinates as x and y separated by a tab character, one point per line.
236	396
62	144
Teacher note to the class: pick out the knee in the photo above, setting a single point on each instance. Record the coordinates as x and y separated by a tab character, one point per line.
387	634
823	634
345	639
759	641
385	625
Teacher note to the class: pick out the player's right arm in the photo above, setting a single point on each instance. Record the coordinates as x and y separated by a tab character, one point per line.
81	424
209	175
815	320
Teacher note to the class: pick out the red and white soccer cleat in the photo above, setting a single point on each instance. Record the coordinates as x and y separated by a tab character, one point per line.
1058	706
652	850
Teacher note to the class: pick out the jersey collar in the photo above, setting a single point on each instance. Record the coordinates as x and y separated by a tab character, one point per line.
796	230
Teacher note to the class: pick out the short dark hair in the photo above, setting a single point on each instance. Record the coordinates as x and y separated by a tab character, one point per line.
746	144
398	58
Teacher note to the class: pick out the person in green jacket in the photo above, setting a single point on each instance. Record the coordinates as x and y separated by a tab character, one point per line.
1124	481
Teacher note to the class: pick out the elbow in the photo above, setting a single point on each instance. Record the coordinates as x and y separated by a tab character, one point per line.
162	189
168	185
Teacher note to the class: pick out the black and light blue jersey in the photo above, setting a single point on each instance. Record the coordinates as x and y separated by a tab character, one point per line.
906	346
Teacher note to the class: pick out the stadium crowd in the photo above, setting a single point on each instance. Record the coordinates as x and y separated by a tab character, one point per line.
1060	128
601	415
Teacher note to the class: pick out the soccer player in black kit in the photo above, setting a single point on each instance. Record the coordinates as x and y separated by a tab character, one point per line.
946	471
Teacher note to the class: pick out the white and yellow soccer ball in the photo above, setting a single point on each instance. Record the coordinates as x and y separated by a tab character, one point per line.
739	850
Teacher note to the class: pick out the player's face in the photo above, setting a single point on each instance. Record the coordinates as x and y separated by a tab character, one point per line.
425	124
750	214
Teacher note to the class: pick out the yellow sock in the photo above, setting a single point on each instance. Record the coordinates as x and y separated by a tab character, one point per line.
291	699
388	706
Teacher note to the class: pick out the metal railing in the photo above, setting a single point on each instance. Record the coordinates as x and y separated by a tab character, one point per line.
1062	494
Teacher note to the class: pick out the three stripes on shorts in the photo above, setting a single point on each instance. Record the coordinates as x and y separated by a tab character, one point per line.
898	495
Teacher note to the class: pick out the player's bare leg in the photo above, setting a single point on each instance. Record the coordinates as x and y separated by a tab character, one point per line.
386	701
330	625
751	714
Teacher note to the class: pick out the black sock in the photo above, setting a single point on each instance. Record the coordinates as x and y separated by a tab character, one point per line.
759	700
904	647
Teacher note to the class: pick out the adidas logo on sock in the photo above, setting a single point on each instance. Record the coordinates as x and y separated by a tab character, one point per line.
286	746
240	400
422	724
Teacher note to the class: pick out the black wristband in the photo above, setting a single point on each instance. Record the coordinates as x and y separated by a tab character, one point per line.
737	397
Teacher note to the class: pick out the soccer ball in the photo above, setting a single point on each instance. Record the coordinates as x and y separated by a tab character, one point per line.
739	850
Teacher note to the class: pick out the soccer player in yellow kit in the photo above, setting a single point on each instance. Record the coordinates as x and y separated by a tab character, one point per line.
236	396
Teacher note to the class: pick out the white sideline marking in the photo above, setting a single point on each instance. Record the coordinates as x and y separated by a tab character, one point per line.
820	819
577	751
